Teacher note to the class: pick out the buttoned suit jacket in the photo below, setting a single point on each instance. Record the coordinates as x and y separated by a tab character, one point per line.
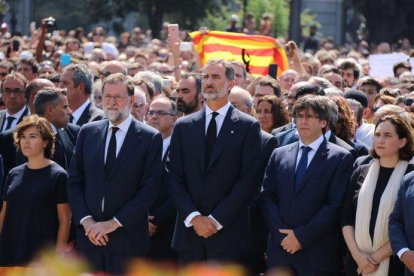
129	189
311	210
222	188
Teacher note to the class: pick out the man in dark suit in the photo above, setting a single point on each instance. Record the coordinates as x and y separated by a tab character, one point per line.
255	259
12	89
401	224
162	115
302	194
77	80
214	155
113	181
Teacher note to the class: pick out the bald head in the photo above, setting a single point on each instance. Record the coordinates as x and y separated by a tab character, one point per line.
241	99
114	66
32	88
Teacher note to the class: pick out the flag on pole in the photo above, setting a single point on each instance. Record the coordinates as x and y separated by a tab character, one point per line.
255	51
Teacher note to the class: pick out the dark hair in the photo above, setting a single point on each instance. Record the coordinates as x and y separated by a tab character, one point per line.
370	81
348	64
345	127
45	97
403	130
402	64
31	62
45	131
318	104
267	81
279	113
197	79
119	78
309	89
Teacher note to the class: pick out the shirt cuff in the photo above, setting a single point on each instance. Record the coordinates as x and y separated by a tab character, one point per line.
84	218
218	225
190	217
117	221
402	251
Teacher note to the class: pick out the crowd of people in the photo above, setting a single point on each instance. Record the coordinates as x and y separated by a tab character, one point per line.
129	148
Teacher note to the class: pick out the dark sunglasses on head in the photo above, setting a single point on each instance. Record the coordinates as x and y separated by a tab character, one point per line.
408	102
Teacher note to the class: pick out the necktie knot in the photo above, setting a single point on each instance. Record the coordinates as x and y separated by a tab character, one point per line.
306	150
114	130
214	115
10	120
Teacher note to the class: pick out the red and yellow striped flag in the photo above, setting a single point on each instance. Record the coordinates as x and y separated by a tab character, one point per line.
258	49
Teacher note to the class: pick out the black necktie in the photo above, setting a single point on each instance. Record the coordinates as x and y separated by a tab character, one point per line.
70	119
111	154
303	164
10	120
211	136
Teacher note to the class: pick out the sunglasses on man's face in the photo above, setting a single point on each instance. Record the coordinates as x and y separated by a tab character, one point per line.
408	102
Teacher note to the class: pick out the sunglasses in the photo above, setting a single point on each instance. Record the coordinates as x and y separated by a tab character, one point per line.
408	102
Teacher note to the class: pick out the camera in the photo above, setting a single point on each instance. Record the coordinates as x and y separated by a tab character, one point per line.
50	21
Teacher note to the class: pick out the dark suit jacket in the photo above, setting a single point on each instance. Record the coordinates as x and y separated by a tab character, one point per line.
258	229
129	189
222	188
401	223
90	114
164	218
291	136
312	211
3	117
286	127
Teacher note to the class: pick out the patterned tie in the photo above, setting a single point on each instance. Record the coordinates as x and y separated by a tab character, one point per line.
211	136
301	169
111	154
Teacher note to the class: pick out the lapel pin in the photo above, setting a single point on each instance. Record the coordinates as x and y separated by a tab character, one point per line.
232	132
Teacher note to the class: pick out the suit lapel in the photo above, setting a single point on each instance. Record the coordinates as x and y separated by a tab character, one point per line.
292	155
198	136
101	133
320	155
26	110
227	132
129	143
83	119
2	119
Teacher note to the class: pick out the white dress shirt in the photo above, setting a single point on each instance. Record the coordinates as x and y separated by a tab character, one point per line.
222	112
165	144
314	148
78	112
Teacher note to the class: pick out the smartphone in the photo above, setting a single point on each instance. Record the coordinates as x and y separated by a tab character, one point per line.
15	45
186	46
273	70
173	33
64	59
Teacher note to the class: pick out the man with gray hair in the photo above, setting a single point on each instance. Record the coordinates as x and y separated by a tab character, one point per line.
77	80
140	105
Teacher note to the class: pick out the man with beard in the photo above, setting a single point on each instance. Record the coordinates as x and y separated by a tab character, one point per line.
189	97
212	170
113	181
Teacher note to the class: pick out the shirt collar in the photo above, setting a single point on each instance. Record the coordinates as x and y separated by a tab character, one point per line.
16	115
328	134
78	112
315	144
221	111
54	129
124	125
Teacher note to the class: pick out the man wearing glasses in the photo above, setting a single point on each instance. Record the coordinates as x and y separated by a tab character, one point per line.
12	89
162	115
113	181
140	105
409	102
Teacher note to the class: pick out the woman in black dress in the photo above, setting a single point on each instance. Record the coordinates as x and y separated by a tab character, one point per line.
370	199
35	211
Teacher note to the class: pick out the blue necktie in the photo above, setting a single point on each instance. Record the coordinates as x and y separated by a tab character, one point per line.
303	164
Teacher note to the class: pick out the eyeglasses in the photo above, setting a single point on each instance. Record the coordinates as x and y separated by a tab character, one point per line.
3	74
98	34
97	97
138	106
158	113
117	98
408	102
105	74
16	91
306	117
